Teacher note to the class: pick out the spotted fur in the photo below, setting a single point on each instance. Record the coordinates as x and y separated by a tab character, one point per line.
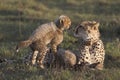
91	46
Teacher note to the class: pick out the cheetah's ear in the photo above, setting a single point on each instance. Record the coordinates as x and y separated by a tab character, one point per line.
59	22
62	21
96	25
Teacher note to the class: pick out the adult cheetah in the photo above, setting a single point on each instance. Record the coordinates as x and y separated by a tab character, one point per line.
91	46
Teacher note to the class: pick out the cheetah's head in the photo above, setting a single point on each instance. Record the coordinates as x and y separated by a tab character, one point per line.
63	22
88	31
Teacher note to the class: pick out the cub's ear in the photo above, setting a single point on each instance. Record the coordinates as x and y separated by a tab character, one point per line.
96	25
61	21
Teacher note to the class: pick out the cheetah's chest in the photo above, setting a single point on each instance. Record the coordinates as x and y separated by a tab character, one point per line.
95	49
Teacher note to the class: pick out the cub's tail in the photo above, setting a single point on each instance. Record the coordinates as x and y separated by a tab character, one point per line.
23	44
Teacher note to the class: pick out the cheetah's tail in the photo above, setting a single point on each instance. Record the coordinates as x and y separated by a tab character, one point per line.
25	43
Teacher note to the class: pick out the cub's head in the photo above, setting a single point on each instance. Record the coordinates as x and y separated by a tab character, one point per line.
88	31
63	22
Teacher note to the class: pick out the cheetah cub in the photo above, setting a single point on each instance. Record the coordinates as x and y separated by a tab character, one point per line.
65	59
48	33
92	51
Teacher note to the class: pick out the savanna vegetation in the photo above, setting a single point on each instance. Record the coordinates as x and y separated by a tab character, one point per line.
18	18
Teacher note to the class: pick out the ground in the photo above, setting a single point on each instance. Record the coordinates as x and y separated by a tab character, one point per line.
19	18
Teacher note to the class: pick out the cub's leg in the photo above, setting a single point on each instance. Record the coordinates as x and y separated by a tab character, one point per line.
41	56
34	57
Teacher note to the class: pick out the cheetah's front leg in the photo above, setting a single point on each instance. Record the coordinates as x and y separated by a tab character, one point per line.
84	56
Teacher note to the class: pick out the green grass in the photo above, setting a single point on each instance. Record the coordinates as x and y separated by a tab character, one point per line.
18	19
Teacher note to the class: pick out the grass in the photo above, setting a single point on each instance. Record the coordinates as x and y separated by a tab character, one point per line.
18	19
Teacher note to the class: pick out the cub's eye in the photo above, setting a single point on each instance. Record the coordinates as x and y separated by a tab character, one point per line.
94	28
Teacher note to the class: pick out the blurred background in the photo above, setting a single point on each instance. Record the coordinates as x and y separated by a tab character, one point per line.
19	18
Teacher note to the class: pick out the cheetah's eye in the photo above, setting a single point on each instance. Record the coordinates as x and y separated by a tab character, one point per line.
88	31
94	28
